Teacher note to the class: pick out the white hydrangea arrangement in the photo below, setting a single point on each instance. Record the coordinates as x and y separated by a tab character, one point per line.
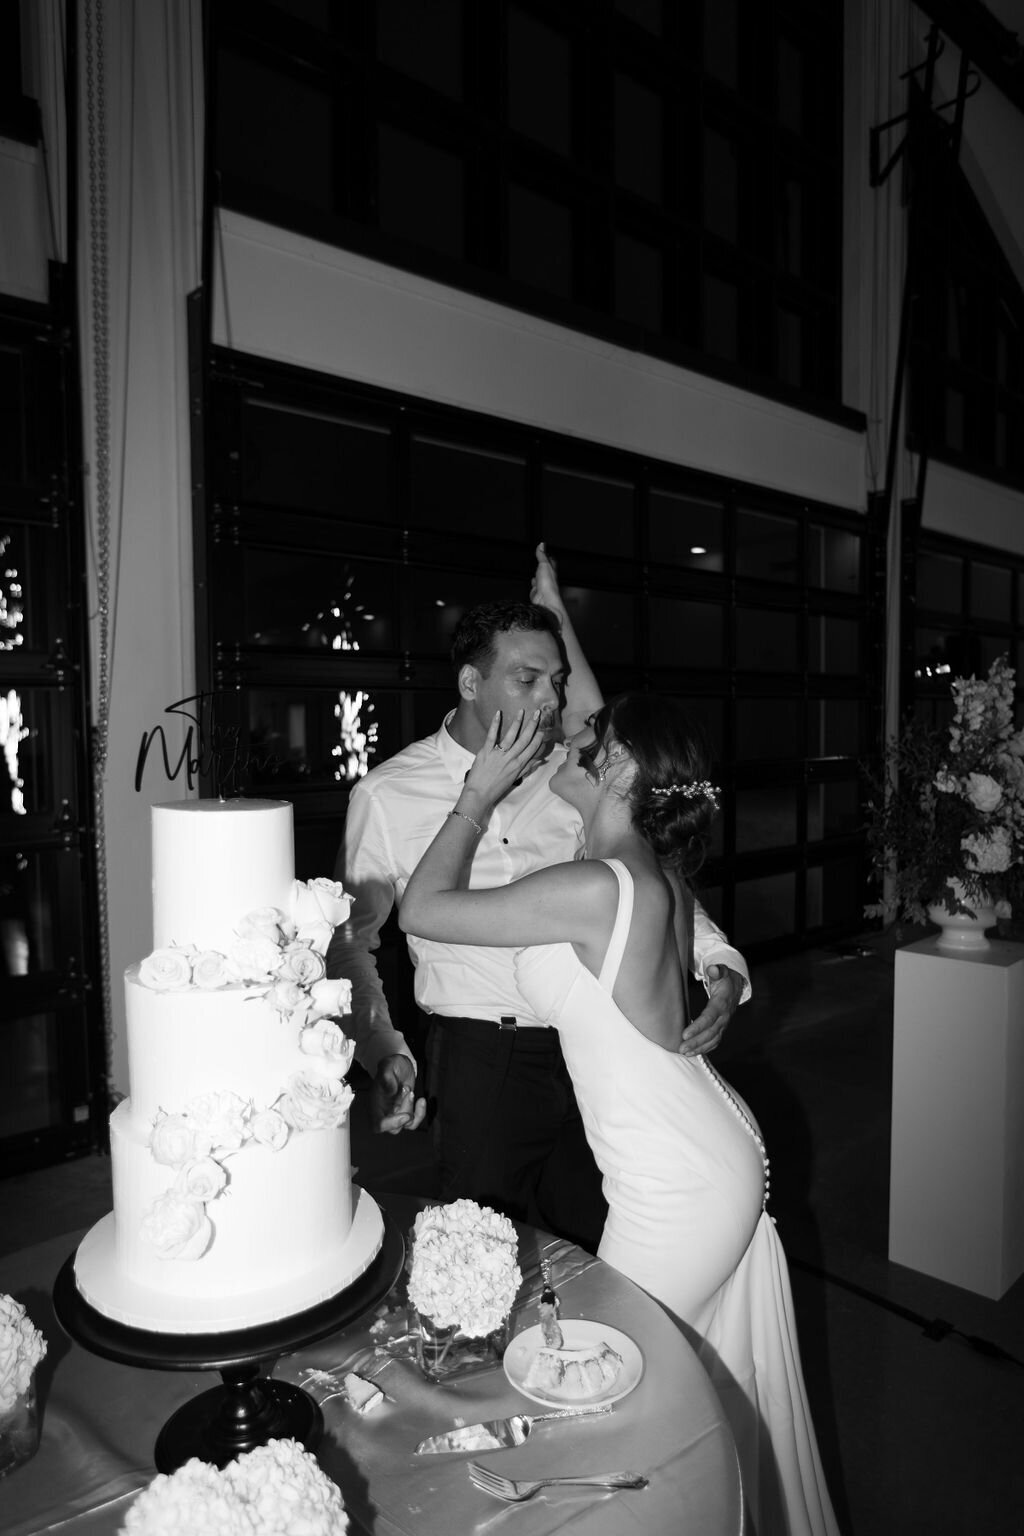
22	1347
463	1270
284	953
949	806
278	1489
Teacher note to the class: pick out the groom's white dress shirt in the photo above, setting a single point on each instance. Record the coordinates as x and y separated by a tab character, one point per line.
393	815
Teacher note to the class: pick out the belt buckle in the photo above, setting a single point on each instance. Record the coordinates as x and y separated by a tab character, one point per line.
507	1022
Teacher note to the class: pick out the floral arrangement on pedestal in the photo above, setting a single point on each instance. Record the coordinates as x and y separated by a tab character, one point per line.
946	824
277	1489
463	1278
22	1347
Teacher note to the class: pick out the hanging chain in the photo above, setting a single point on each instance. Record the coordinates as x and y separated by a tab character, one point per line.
99	280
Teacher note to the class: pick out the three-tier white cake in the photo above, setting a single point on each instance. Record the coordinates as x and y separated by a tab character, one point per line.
233	1195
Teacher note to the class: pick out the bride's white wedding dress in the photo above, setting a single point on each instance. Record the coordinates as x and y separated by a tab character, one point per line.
685	1176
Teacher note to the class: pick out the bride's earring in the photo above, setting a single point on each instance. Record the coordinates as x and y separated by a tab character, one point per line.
613	757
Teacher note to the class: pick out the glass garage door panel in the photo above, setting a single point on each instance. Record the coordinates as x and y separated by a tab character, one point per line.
321	603
765	909
319	737
314	463
467	490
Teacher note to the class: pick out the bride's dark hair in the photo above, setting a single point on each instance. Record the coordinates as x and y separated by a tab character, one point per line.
672	756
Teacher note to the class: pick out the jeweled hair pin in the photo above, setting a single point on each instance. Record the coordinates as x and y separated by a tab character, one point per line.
700	789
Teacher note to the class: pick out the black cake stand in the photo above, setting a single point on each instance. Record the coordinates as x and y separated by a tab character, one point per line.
249	1408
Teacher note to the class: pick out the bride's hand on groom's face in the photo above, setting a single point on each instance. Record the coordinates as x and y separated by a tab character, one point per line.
505	755
725	989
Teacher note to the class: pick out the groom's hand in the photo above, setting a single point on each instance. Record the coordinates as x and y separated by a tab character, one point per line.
725	989
394	1105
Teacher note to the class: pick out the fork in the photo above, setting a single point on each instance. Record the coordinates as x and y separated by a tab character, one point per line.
513	1493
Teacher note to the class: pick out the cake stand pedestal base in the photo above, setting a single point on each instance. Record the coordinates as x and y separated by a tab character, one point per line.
247	1411
249	1408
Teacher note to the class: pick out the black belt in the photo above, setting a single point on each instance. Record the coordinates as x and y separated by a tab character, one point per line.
507	1033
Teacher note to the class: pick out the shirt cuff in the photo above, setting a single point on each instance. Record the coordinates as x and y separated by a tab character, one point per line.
725	955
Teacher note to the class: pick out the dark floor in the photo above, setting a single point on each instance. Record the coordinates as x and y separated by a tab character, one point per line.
920	1429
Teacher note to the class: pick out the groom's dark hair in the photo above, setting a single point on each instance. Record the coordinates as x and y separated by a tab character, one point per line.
473	641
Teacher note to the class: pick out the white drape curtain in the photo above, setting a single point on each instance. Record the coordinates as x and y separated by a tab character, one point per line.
139	243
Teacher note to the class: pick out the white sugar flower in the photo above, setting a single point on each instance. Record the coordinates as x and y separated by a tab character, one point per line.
286	996
326	1040
255	960
269	1129
201	1180
212	970
329	997
320	900
176	1227
218	1122
316	935
165	970
171	1140
315	1103
302	964
262	923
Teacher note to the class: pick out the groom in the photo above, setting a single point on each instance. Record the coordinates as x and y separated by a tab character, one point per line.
508	1130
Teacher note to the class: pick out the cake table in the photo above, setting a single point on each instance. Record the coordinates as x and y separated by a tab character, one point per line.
249	1408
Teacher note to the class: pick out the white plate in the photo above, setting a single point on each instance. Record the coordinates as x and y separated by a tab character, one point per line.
577	1332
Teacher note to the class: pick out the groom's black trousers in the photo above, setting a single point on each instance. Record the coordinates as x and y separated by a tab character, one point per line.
508	1131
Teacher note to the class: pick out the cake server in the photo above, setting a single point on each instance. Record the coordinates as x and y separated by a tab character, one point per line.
496	1434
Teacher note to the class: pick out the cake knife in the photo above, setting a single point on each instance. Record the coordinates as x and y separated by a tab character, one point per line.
496	1434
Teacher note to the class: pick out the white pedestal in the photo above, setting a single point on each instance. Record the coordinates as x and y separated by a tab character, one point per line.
956	1206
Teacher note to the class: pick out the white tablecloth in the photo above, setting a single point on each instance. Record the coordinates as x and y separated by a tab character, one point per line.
101	1420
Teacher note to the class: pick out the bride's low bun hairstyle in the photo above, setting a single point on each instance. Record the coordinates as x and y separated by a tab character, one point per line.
672	799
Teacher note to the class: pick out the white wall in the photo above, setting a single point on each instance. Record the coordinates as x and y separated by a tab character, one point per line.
295	300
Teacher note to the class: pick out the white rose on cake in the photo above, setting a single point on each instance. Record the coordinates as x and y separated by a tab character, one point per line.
319	901
255	960
176	1227
316	936
166	969
315	1103
325	1039
330	996
218	1122
265	923
171	1140
212	970
201	1180
269	1129
302	964
287	997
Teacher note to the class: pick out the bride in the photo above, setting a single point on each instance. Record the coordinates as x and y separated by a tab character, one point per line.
684	1169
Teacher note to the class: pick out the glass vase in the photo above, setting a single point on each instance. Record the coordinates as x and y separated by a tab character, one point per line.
448	1354
19	1430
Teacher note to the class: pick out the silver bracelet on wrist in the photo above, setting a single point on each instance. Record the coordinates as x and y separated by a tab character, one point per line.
464	817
